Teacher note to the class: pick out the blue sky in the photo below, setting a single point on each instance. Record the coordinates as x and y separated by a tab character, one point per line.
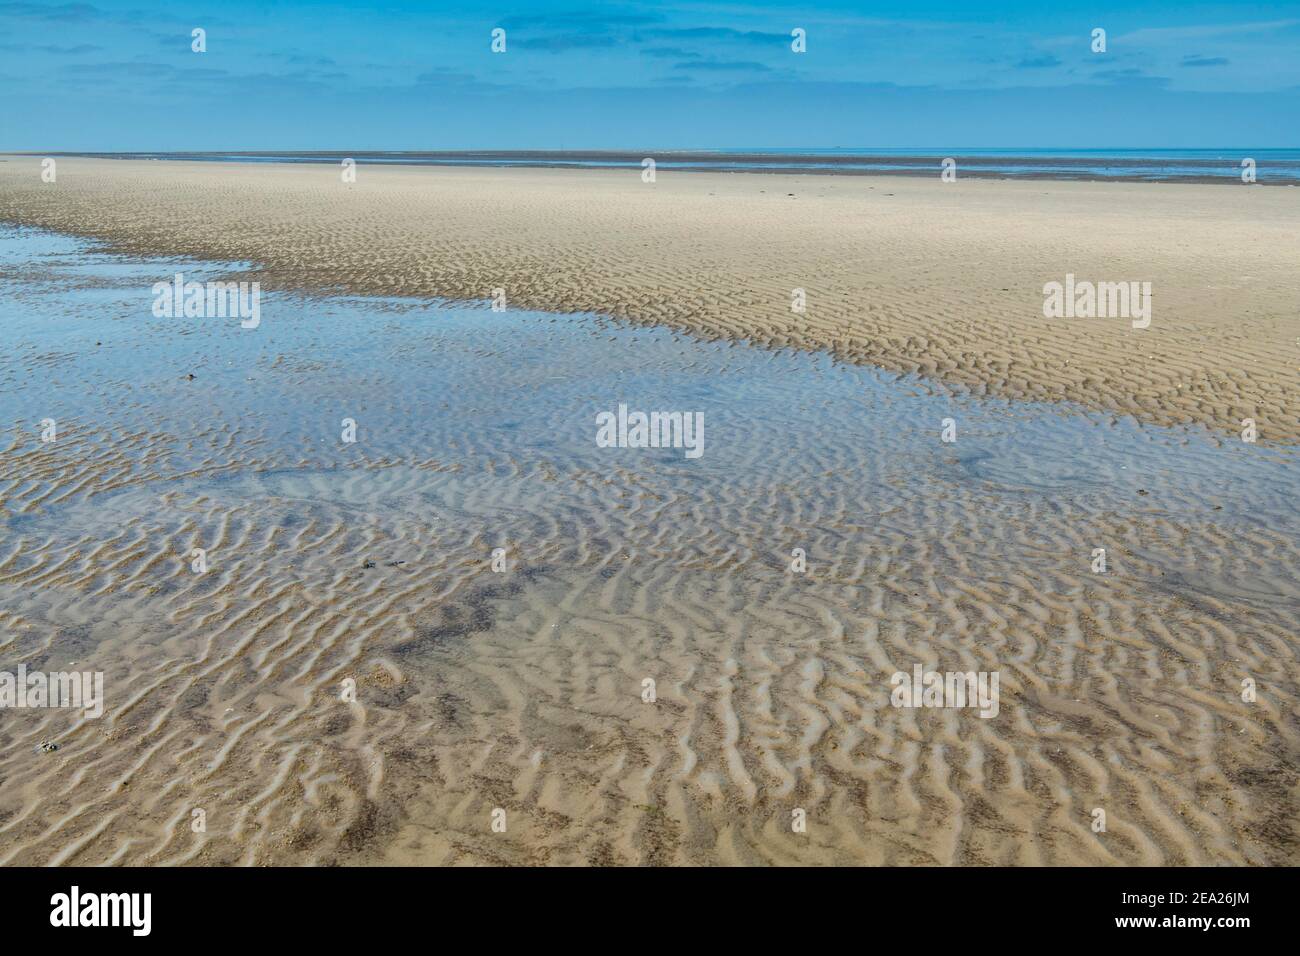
120	75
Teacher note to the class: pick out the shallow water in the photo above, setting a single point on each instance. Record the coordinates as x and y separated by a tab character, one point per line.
523	689
1154	165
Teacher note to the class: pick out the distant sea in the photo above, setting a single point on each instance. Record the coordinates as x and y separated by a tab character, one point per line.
1277	166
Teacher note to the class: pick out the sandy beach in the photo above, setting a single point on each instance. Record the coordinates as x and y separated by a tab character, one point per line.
912	275
496	588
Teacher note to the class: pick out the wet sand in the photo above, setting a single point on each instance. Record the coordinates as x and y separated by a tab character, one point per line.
914	275
523	690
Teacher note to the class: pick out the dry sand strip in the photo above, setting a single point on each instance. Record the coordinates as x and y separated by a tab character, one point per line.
916	275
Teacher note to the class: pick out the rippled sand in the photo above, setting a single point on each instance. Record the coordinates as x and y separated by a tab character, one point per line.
523	690
916	275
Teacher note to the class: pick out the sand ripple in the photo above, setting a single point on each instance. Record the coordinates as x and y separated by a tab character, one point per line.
522	690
